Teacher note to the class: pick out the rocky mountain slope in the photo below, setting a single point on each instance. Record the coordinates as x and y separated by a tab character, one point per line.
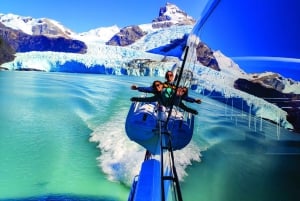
7	52
170	15
271	87
37	35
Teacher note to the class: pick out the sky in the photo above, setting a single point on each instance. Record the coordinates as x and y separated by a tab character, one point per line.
259	35
255	27
84	15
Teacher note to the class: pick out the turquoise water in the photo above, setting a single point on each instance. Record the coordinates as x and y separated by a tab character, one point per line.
63	135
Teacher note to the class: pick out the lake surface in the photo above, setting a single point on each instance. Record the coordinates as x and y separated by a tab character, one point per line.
62	136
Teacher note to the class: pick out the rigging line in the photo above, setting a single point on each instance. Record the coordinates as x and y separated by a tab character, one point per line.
208	10
208	13
170	149
176	180
177	84
171	161
161	161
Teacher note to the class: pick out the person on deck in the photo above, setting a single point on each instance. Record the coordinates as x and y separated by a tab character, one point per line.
156	89
169	83
170	79
163	97
187	98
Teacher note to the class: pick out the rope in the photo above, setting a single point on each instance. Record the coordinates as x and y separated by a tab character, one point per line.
177	85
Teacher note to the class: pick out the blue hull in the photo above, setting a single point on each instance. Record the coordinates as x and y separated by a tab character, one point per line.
142	127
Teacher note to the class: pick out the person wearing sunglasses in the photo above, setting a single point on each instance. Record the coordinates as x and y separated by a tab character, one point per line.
157	88
169	88
170	79
169	76
164	97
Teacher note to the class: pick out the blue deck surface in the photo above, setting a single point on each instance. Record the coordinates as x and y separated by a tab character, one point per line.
148	186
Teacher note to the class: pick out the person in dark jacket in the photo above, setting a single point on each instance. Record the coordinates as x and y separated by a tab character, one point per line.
156	89
164	96
169	83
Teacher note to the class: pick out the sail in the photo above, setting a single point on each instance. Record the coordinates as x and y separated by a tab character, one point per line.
251	33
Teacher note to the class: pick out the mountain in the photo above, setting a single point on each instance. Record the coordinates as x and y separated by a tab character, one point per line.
170	15
25	34
98	35
127	36
137	50
272	88
7	52
31	26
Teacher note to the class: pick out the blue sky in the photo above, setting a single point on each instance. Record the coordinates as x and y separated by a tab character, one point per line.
255	28
83	15
260	35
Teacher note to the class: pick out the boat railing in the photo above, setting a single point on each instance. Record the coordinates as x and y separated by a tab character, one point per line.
169	177
237	110
133	188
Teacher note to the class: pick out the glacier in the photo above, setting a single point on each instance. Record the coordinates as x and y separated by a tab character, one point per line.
114	60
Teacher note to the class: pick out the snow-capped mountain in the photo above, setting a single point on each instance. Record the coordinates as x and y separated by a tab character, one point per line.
31	26
150	55
102	34
170	15
52	28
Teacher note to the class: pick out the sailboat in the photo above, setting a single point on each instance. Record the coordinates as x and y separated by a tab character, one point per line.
162	131
148	125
